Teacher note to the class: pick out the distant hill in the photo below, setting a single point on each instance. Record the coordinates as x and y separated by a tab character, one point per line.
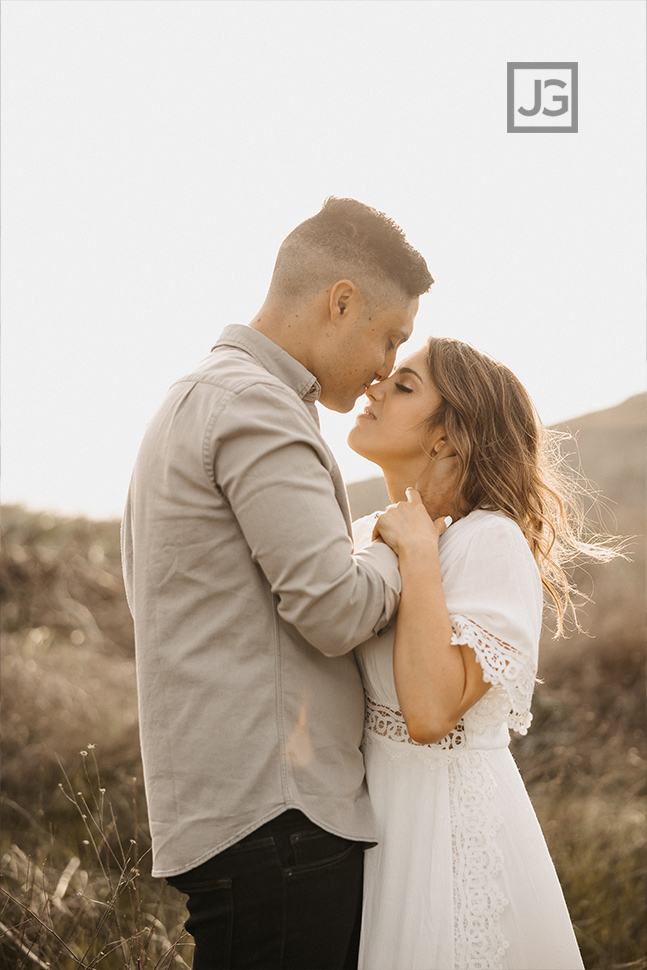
367	496
612	453
631	413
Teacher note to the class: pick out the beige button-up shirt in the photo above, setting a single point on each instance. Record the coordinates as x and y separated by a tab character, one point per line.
247	601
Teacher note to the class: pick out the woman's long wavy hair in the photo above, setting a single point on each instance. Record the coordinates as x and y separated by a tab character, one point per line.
510	462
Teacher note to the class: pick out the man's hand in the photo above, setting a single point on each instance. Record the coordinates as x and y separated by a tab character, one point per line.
437	485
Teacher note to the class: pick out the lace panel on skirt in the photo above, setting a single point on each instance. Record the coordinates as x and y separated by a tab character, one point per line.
477	863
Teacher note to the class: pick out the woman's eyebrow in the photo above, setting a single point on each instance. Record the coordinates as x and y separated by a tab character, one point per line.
409	370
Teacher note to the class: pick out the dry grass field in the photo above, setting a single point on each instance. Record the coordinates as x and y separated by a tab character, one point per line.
76	890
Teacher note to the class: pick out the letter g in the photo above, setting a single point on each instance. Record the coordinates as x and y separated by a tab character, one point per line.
563	98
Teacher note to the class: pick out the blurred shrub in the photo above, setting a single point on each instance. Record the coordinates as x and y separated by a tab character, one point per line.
68	654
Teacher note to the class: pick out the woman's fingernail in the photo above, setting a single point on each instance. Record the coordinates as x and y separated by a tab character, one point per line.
448	520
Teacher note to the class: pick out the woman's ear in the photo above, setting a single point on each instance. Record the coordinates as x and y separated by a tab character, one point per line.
436	441
440	444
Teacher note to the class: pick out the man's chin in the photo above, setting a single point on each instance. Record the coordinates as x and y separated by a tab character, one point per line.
334	404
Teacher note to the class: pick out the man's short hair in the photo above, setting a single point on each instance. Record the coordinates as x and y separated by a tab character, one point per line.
349	240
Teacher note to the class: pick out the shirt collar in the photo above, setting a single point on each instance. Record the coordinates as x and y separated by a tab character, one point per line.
273	358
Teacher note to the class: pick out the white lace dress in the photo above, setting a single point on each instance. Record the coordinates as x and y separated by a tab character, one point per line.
462	878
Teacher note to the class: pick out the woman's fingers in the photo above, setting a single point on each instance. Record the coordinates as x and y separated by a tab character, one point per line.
408	523
413	496
443	523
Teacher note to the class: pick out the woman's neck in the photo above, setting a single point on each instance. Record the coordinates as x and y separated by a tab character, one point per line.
398	479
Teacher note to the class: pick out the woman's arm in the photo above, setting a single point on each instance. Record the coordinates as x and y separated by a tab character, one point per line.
436	681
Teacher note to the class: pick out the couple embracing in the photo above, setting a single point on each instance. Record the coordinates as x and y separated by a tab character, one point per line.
325	706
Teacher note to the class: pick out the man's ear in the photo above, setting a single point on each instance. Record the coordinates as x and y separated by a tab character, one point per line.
345	303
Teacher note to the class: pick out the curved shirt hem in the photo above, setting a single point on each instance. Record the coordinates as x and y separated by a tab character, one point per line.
157	873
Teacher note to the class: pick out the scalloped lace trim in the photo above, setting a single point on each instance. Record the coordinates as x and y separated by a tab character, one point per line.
506	668
477	862
387	723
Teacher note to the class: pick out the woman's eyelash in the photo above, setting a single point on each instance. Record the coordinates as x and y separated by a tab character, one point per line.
403	387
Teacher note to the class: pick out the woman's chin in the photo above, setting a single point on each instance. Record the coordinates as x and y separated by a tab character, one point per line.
362	452
355	444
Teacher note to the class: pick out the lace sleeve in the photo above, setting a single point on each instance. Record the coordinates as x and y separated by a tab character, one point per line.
503	666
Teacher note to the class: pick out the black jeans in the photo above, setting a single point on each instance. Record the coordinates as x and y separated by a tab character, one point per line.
288	896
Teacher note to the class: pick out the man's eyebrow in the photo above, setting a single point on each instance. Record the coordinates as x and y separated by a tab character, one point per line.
410	370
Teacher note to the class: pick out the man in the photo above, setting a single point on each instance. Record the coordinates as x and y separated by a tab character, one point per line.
247	601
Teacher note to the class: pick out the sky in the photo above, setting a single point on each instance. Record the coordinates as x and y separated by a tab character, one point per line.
157	152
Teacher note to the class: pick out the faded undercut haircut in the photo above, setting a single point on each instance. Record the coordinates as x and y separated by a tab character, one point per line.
349	240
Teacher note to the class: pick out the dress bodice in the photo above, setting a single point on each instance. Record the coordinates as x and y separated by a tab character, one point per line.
493	594
485	725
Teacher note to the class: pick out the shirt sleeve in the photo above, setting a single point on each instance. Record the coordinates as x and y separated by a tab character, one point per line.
268	459
494	599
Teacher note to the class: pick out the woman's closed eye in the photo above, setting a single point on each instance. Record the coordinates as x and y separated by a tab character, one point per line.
403	387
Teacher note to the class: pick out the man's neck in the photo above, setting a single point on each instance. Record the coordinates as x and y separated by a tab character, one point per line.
293	332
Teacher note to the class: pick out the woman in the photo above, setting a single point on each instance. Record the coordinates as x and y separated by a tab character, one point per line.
461	877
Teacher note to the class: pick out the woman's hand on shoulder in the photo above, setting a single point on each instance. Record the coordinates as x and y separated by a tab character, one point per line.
407	526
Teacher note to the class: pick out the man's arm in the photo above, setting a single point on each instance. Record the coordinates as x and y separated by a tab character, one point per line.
271	464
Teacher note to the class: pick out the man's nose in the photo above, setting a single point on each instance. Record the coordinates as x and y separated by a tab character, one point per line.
386	368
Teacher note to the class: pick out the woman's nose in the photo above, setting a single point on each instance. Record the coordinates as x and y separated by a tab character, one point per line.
374	391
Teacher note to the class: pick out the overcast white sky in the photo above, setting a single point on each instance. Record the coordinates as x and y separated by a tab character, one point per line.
157	152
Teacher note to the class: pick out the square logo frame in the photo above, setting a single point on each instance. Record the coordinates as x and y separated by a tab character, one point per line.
543	65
